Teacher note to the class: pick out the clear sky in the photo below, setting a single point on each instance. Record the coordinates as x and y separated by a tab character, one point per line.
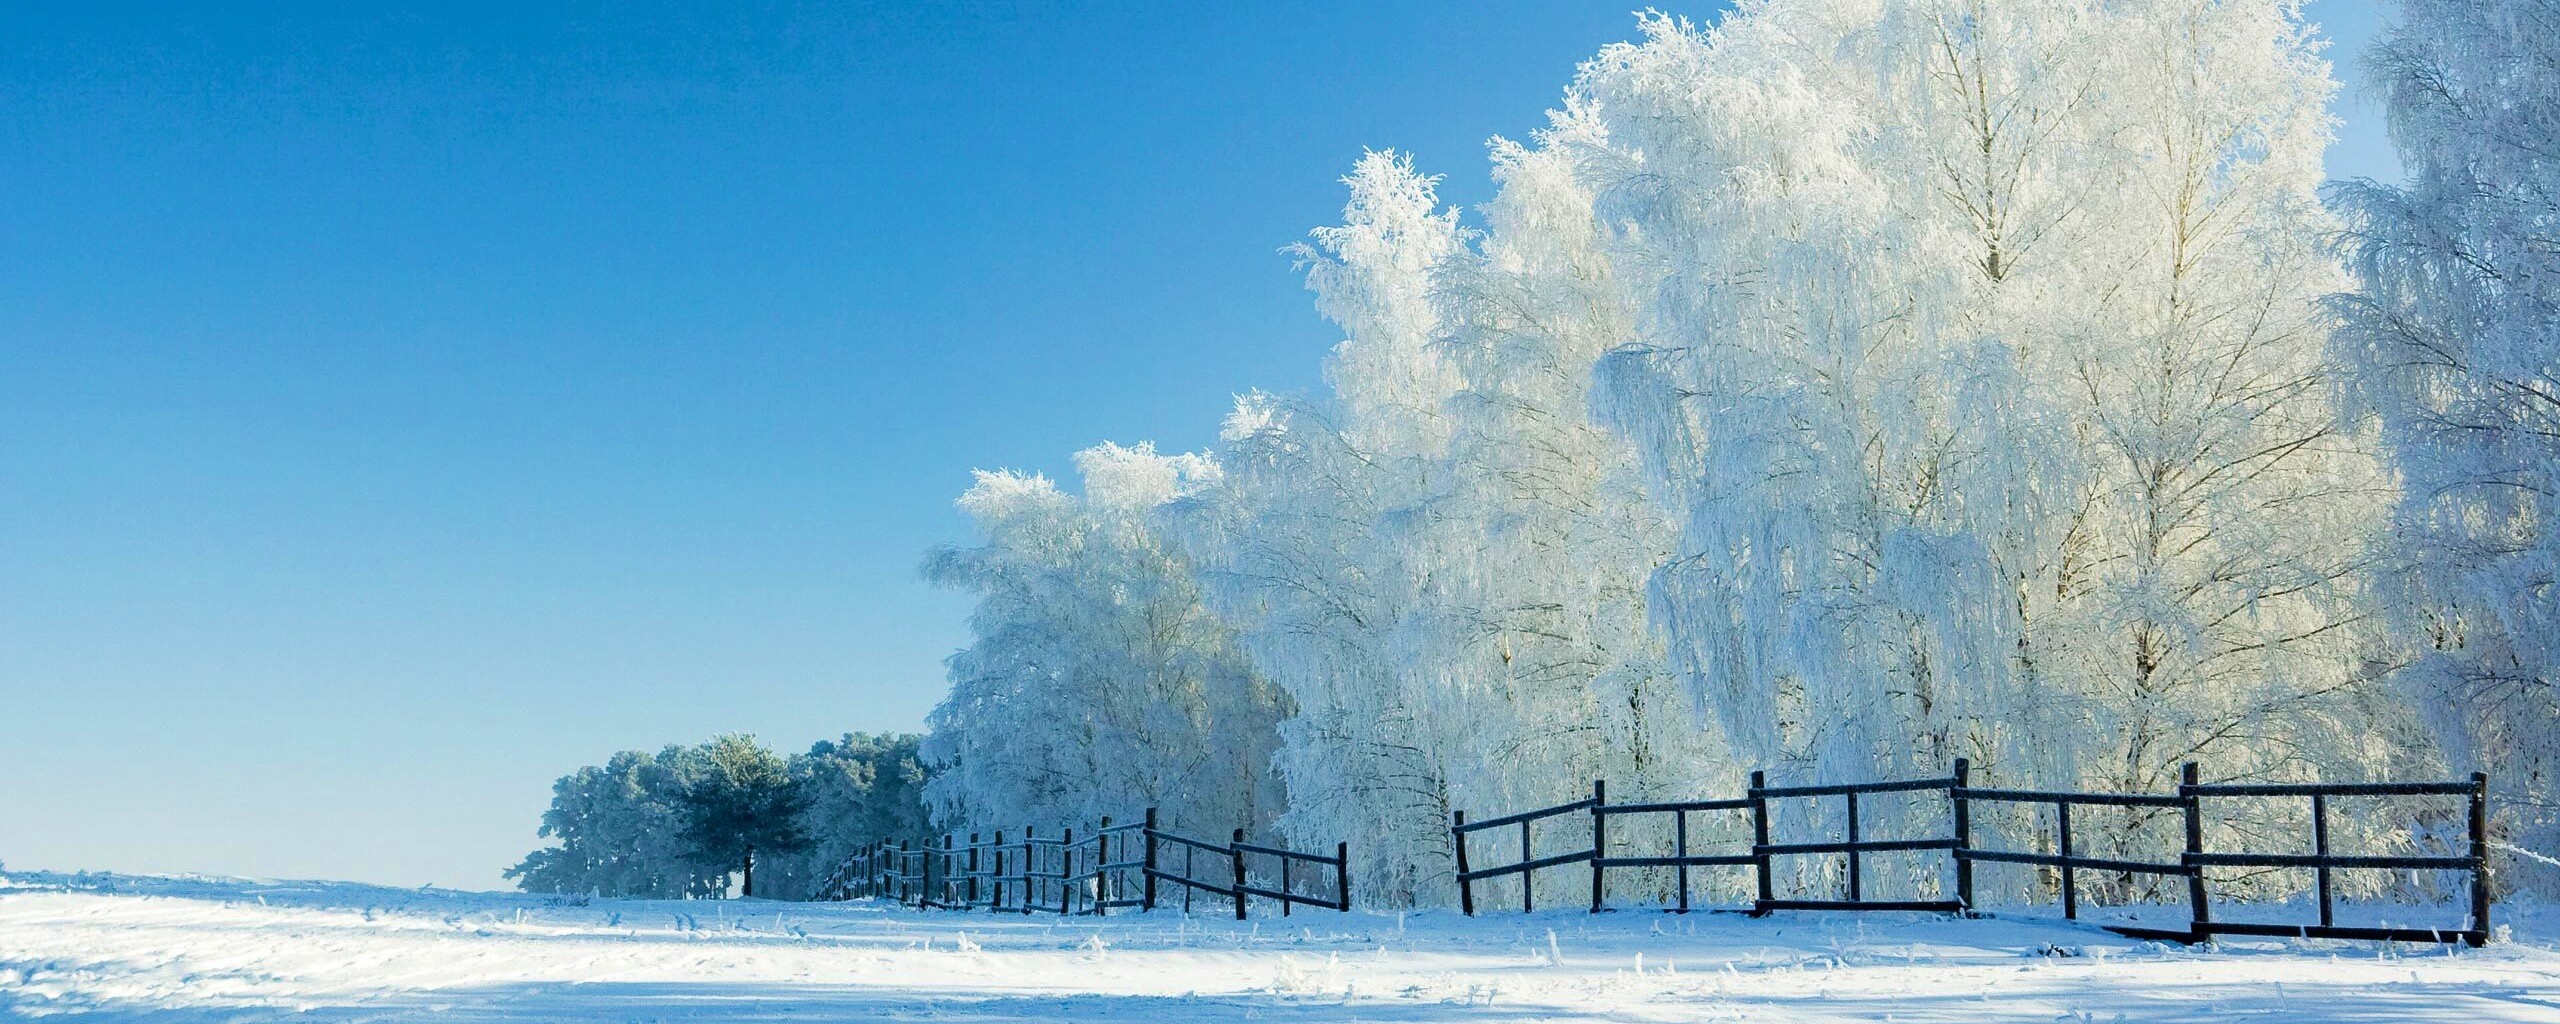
399	408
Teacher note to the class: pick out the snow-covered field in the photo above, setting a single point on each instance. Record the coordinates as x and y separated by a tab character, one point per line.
157	949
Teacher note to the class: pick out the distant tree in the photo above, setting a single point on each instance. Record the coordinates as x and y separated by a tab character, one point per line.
850	791
742	801
621	831
682	823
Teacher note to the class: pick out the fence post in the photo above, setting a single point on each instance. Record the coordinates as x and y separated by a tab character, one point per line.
1857	890
2479	860
1680	849
1066	872
905	886
937	858
2199	913
926	895
1599	838
1102	876
973	870
1342	874
1149	879
2070	875
1030	885
2320	848
1235	850
1466	886
1964	833
1760	837
1284	885
1528	902
995	883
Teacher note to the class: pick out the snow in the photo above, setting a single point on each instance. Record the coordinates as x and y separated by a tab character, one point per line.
196	949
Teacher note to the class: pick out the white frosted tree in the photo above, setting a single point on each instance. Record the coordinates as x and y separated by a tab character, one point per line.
1444	560
1843	389
1095	683
1306	545
621	830
1544	536
2456	332
851	791
2226	573
1983	365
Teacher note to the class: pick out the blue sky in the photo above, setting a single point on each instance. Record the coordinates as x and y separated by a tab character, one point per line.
399	408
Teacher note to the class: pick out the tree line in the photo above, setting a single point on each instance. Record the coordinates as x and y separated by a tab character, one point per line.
1834	389
722	817
1842	389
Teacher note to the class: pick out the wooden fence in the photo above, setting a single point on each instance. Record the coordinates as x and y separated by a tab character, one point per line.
1962	854
1095	874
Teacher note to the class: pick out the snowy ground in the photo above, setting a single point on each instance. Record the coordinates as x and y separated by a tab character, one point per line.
190	950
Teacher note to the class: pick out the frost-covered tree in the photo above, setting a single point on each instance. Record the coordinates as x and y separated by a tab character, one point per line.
1095	683
621	831
677	824
1841	389
1304	541
1983	365
1442	560
2456	332
1545	535
849	791
742	802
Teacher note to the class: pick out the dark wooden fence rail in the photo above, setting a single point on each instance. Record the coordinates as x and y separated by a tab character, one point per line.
1187	877
1111	867
2475	861
1109	879
1287	892
2065	857
878	869
1852	844
962	868
1528	864
1963	854
1681	860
